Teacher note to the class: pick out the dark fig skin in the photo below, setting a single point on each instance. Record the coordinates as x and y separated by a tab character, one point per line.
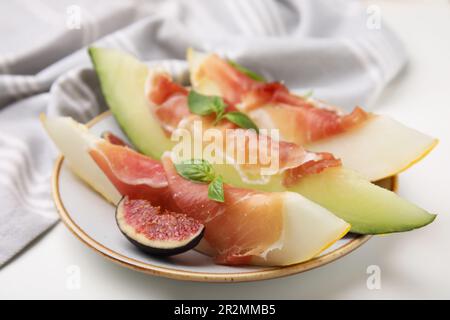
166	252
162	252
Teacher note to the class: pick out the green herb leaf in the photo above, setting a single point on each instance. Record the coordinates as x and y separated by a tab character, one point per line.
308	94
197	170
251	74
215	190
241	119
205	105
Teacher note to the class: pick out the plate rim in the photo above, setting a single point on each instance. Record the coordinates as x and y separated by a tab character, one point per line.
265	274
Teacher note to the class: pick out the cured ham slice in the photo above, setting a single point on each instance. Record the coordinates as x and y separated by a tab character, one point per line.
168	100
231	84
169	103
293	175
300	120
246	225
255	227
112	138
134	175
375	146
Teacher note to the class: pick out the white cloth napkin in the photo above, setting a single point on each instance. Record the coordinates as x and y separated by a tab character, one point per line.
339	49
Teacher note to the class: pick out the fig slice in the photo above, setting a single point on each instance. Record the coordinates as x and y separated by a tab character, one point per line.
156	231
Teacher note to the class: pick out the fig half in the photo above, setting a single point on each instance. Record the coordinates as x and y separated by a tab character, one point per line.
155	231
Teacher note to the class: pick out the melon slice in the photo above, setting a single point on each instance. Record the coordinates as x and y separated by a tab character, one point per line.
278	228
377	148
74	141
113	170
369	208
122	79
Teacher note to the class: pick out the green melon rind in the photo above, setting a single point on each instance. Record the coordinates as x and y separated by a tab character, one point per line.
369	208
122	79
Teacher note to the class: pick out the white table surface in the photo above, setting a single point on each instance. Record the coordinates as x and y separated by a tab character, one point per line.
413	265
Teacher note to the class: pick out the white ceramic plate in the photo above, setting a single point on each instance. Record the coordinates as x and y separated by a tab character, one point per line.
92	220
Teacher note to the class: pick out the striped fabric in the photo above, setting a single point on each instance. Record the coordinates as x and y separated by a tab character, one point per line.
324	45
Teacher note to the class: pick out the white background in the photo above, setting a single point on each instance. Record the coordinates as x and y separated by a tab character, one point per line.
413	265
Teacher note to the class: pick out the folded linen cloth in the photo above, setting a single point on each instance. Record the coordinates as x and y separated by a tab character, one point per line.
330	46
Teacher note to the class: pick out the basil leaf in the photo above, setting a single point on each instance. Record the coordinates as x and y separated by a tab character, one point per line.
215	190
205	105
249	73
241	119
197	170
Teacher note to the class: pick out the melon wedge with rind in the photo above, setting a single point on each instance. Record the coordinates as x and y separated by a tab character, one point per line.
74	141
308	230
122	79
200	83
369	208
374	210
378	148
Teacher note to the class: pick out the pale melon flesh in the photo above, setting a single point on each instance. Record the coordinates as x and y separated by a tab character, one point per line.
378	148
308	228
122	80
74	141
367	207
